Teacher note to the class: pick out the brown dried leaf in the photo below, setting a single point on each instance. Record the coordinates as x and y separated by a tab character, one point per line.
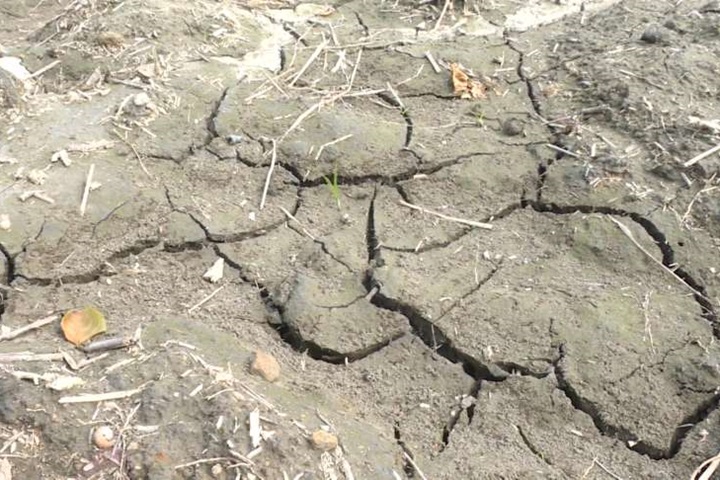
79	326
465	87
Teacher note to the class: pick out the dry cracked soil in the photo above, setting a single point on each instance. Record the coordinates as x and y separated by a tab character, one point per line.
517	283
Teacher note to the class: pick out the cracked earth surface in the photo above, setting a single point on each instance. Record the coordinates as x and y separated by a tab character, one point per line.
574	339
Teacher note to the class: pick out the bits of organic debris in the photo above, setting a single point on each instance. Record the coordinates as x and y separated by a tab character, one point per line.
110	40
103	437
266	366
36	176
464	86
5	222
215	273
323	440
62	156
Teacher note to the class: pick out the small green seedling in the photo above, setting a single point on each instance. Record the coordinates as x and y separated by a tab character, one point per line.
333	186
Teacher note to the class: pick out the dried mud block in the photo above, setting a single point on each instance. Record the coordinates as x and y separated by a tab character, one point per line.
525	427
266	366
377	134
327	308
224	196
575	280
323	440
340	224
272	257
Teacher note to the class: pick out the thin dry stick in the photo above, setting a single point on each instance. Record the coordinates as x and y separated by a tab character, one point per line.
442	14
32	326
645	304
703	155
711	464
291	217
695	197
433	62
102	397
205	300
312	109
204	460
414	465
606	470
332	142
269	175
30	357
309	62
86	192
628	233
472	223
563	150
135	152
45	68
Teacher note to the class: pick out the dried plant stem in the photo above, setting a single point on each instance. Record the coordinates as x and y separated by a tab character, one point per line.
86	192
269	174
32	326
472	223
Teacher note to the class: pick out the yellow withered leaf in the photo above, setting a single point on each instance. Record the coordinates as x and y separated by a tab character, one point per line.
79	326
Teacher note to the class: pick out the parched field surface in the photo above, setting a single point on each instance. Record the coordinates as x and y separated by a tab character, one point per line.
481	239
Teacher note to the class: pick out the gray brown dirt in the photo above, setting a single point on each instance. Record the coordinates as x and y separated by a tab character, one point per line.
576	338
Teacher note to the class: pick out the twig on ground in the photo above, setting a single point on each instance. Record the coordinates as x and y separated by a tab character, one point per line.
711	464
30	357
45	69
702	156
32	326
562	150
324	101
645	305
442	14
291	217
414	465
206	299
86	192
332	142
606	470
472	223
309	62
203	461
269	175
135	152
102	397
433	62
696	196
624	229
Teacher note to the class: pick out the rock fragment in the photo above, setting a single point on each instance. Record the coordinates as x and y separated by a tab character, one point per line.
266	366
323	440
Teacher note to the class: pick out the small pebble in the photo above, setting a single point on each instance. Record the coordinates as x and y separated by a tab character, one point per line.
323	440
652	34
103	437
266	366
233	139
5	223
